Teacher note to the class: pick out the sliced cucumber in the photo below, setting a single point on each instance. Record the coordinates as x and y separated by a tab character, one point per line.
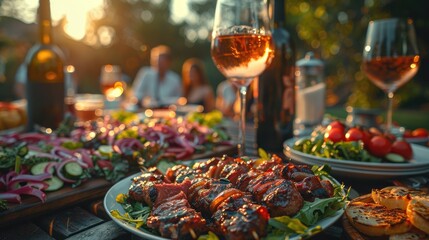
395	158
105	150
39	168
73	170
54	184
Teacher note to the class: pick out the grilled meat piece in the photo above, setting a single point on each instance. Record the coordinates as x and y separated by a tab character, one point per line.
179	173
151	192
233	171
203	167
238	218
174	218
142	189
279	195
282	199
312	188
292	172
235	215
204	191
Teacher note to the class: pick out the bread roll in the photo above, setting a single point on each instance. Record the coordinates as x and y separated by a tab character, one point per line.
394	197
418	213
376	220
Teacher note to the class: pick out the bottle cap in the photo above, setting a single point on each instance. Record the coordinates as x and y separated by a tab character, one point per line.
309	61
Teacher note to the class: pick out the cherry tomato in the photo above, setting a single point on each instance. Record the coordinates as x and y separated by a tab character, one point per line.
420	133
407	134
402	148
334	135
336	124
354	134
379	146
366	137
390	136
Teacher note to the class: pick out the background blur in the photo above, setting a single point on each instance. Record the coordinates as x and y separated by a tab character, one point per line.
96	32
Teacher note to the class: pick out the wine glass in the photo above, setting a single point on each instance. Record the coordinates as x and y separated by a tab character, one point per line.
390	57
241	47
111	83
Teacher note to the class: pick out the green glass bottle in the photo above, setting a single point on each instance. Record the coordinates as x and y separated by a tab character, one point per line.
45	76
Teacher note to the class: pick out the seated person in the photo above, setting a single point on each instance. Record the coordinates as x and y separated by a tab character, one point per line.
195	85
157	86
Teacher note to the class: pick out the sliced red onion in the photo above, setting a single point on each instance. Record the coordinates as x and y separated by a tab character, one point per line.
183	142
59	169
7	140
27	178
85	157
10	197
122	145
62	152
38	185
49	166
28	190
33	137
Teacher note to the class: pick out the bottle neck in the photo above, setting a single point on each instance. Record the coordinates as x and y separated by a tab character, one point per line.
279	12
45	25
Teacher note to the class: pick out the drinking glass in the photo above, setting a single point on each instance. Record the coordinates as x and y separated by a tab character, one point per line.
111	83
241	47
390	57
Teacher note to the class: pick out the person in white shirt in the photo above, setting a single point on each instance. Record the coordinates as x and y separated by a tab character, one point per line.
157	86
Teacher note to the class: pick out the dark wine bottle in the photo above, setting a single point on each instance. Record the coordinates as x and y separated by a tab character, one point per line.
45	76
276	95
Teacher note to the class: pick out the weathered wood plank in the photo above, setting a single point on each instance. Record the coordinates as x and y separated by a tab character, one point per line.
67	196
65	223
24	231
106	231
97	208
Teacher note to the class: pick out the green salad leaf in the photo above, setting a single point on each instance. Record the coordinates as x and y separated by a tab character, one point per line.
136	213
209	236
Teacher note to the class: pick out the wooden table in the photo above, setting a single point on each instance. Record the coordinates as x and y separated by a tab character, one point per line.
86	218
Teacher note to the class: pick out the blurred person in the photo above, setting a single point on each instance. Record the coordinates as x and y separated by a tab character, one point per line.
157	85
226	98
197	89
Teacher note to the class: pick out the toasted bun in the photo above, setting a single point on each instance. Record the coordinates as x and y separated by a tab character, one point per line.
376	220
394	197
418	213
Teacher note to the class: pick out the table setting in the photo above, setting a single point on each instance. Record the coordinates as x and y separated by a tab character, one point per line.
107	165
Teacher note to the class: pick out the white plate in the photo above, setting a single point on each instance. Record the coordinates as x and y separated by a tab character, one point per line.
374	174
420	140
123	186
418	165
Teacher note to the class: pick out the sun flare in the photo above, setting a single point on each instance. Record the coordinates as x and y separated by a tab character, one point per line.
76	14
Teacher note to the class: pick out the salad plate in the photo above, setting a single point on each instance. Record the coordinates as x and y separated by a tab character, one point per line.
418	165
110	204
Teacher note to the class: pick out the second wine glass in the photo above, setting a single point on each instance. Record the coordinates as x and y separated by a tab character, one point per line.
241	47
390	57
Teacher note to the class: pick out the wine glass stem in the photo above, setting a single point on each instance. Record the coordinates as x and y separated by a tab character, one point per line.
389	112
242	123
